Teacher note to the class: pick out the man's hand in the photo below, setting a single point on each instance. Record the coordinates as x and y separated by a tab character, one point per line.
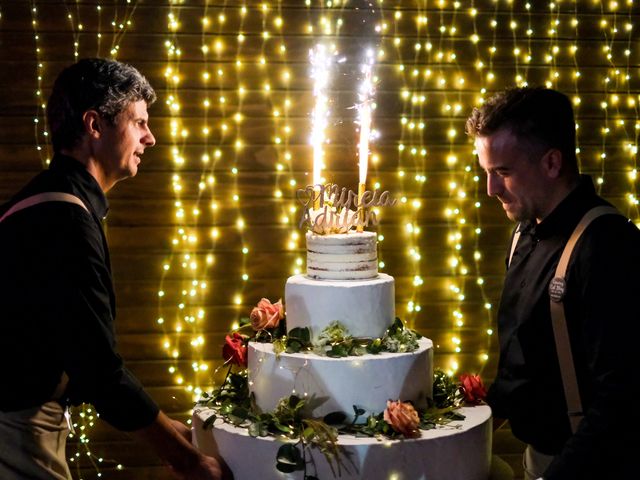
206	465
172	442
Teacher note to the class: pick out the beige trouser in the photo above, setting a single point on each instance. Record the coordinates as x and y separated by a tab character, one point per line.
33	444
534	463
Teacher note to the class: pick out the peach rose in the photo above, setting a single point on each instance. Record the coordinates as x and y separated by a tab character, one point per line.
266	314
472	388
235	349
403	418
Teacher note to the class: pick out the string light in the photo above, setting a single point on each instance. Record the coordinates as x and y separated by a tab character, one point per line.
40	126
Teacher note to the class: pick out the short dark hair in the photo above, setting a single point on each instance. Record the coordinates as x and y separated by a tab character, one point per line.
104	85
541	117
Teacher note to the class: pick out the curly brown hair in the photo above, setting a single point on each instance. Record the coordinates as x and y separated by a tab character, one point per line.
104	85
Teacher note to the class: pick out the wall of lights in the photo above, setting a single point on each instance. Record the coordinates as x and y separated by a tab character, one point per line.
210	224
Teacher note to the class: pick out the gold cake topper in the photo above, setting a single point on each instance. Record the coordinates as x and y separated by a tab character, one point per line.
328	208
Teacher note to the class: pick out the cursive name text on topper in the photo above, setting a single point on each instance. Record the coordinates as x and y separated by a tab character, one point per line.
337	208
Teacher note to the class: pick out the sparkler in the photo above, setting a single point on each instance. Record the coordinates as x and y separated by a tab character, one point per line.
365	96
321	63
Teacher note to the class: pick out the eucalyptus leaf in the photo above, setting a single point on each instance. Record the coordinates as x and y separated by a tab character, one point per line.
293	346
303	335
240	412
456	416
396	327
306	336
237	381
373	422
281	329
358	350
294	400
289	454
281	427
334	418
375	346
254	429
227	407
279	346
287	468
338	350
262	336
235	420
208	423
358	411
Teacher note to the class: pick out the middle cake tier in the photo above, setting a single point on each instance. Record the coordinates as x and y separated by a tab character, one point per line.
337	384
365	307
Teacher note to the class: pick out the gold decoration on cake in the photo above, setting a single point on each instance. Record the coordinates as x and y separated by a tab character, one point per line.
338	208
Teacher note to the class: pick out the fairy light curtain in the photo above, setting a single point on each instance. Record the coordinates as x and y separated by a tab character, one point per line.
251	115
209	226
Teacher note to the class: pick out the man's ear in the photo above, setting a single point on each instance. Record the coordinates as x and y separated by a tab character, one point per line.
552	162
92	123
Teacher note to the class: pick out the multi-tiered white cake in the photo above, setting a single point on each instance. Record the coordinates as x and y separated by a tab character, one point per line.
343	284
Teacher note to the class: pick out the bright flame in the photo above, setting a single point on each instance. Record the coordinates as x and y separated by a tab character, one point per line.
321	62
364	114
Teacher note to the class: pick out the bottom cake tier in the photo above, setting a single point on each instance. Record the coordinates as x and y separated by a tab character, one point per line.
460	450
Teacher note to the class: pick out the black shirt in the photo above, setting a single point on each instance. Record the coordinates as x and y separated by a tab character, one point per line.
57	304
603	310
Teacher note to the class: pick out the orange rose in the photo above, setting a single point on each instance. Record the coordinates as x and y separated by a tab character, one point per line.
266	314
235	349
472	388
403	418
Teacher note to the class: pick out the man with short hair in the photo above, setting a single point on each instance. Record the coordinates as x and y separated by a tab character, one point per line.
525	141
57	304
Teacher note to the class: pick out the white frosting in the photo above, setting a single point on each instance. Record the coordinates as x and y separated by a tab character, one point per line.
337	384
318	258
365	307
345	256
458	451
337	272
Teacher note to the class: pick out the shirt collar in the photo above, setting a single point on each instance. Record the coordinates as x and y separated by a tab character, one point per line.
87	184
567	213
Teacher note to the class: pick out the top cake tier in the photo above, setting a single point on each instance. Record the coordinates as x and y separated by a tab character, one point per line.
342	256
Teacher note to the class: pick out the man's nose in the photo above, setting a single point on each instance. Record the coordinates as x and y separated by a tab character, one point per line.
495	185
149	140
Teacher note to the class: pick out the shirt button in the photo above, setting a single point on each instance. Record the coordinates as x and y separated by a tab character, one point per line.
523	283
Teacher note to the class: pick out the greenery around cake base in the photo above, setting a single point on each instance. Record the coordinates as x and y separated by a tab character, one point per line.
335	341
233	403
